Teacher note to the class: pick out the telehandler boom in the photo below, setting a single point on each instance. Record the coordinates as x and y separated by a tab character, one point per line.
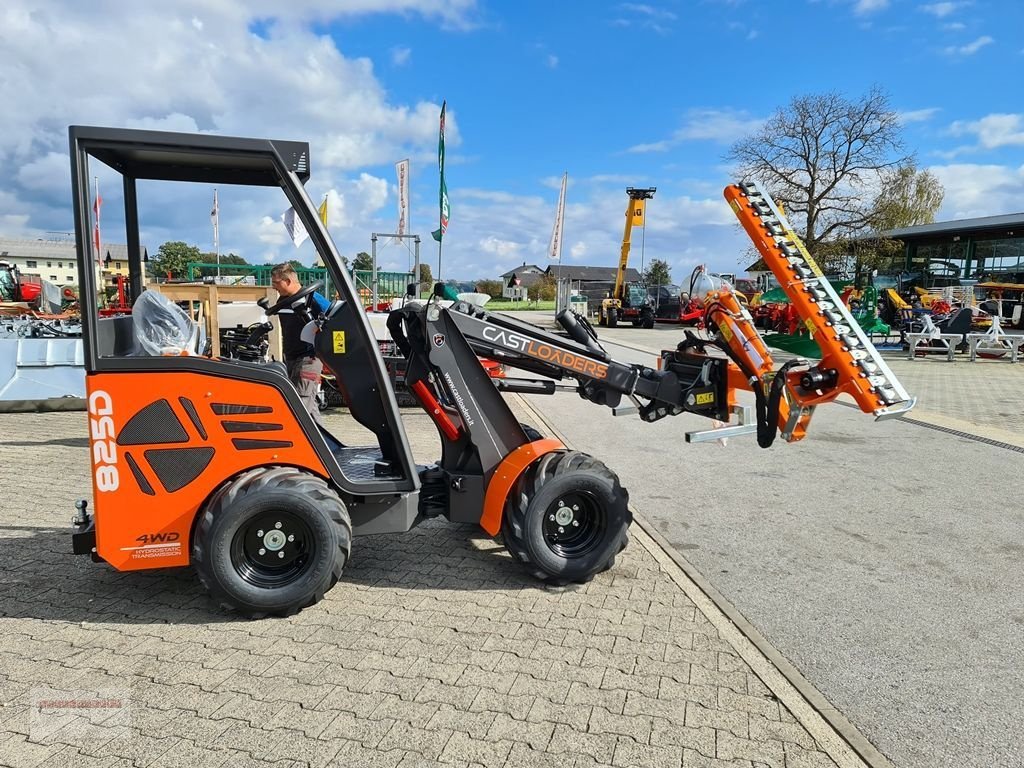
617	306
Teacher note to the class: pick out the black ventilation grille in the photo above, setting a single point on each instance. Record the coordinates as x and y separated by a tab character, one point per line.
140	478
193	415
250	444
251	426
232	409
154	424
177	467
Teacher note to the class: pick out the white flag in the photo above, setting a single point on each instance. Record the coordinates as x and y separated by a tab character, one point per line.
555	249
296	231
402	169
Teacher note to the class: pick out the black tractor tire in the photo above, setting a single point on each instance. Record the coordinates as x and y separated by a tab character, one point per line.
567	518
647	319
613	317
265	512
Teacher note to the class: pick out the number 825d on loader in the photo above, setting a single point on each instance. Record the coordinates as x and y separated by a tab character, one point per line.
215	463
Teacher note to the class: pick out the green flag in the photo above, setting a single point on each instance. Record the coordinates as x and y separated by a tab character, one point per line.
439	233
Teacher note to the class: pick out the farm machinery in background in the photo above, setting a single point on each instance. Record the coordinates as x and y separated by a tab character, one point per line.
629	302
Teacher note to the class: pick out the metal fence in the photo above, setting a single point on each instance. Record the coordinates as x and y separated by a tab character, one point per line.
390	285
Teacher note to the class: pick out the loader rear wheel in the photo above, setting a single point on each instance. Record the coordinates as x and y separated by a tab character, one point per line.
272	542
613	317
567	518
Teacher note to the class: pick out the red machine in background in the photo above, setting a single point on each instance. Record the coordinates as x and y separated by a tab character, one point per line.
17	287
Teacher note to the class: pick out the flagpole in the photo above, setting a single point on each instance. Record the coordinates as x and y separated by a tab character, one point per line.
215	216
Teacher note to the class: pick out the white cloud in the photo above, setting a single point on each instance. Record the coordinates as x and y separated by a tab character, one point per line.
955	26
723	126
940	10
649	11
216	67
644	16
918	115
552	61
400	56
863	7
993	131
971	48
979	190
497	246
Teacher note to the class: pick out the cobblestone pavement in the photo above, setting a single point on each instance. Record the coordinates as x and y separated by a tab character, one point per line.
435	648
982	397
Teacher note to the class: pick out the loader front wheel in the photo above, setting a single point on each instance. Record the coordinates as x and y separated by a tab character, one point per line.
272	542
567	518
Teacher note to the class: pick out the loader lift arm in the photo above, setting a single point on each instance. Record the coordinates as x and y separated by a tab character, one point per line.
700	376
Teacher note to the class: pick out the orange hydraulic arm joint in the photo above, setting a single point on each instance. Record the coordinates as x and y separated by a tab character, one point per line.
849	365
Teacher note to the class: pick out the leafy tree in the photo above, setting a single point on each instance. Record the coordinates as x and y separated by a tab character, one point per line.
226	260
658	273
172	258
544	289
819	155
909	197
492	288
426	277
363	261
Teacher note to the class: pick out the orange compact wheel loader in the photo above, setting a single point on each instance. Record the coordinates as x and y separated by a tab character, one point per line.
214	462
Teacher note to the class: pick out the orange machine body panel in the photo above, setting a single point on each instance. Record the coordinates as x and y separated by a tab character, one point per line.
162	442
505	477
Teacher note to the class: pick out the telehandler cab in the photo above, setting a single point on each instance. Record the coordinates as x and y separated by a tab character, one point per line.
214	462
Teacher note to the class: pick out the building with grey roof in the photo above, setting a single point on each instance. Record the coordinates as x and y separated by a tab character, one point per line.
57	260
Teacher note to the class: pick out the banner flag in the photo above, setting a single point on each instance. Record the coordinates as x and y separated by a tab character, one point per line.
438	234
402	169
555	249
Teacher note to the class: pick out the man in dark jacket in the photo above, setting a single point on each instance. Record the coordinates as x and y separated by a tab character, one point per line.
304	369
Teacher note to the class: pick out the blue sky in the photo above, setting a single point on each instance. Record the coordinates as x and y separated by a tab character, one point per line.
616	94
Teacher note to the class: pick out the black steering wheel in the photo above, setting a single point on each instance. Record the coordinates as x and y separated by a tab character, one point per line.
288	302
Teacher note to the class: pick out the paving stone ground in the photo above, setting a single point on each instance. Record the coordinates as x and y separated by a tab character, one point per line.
434	649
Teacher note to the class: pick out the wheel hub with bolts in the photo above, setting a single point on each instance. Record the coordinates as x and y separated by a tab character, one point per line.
564	515
273	549
573	525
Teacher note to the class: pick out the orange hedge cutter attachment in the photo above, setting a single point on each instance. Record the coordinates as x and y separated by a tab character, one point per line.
786	398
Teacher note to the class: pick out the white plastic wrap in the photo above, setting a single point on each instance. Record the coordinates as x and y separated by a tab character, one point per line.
161	327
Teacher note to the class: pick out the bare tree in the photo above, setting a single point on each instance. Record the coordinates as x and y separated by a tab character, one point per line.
824	157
